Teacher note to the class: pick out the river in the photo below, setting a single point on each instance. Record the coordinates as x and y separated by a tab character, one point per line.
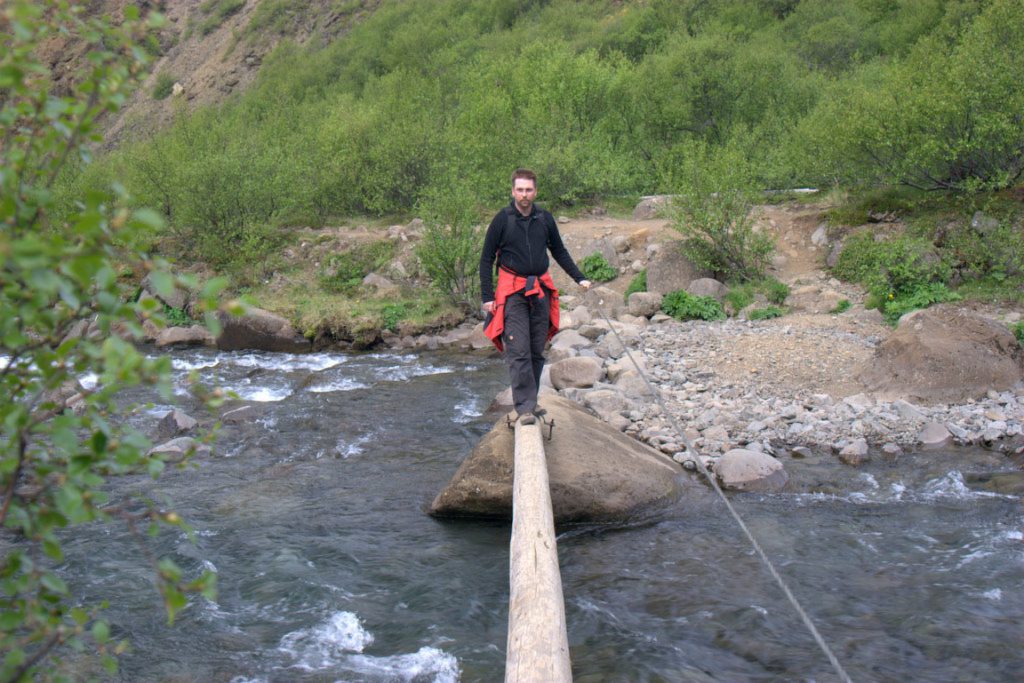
328	568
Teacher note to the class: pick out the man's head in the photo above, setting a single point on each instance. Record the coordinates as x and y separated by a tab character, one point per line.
524	189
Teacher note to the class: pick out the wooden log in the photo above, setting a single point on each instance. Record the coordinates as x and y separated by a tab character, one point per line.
538	645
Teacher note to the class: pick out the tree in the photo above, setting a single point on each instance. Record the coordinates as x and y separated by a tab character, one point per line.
450	248
64	314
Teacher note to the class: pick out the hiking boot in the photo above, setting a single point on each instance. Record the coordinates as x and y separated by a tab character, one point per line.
527	419
539	412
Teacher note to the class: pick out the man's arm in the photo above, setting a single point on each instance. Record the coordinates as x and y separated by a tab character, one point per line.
487	255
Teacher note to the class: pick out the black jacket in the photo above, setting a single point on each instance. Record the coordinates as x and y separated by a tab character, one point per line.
521	245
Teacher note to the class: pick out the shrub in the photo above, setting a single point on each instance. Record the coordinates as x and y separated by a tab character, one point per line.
637	284
596	268
740	296
163	87
450	249
58	276
1018	331
773	289
682	305
922	296
345	271
765	313
714	215
841	307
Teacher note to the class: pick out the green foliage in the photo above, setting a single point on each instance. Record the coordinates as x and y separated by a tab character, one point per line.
682	305
841	307
596	268
60	304
344	272
216	12
450	248
714	215
637	284
1018	331
163	87
775	291
765	313
921	296
177	317
945	117
740	296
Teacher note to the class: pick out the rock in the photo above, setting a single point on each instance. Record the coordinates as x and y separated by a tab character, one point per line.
813	299
819	237
380	283
706	286
605	300
478	340
632	385
194	335
651	206
623	365
944	355
259	330
669	270
644	304
891	450
855	453
579	372
935	436
177	298
503	402
174	424
595	472
177	449
908	411
569	339
744	470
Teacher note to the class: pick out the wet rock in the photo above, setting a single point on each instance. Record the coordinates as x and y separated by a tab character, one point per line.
259	330
176	450
595	472
194	335
935	436
242	415
891	450
174	424
745	470
855	453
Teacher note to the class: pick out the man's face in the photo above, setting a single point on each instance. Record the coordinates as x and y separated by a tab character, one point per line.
524	191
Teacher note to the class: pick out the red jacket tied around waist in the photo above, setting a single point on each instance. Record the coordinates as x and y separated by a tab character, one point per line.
510	283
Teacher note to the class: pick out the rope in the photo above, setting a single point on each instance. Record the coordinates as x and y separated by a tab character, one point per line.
735	515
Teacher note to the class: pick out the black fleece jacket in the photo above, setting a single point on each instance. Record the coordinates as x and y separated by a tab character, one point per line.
522	246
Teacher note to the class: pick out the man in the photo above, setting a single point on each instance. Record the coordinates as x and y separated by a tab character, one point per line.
522	314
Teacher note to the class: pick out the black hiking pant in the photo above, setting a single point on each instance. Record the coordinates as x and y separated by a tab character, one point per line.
527	320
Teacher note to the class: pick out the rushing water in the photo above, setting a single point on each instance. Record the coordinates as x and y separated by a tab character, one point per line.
313	518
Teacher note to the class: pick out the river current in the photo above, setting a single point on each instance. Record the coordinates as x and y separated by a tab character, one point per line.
313	518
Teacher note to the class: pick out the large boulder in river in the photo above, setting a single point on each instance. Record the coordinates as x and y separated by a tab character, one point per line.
595	472
260	330
944	354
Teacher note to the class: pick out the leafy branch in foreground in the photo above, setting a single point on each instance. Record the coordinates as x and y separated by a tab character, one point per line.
66	333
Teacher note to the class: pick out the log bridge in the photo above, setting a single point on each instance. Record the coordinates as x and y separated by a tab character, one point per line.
538	644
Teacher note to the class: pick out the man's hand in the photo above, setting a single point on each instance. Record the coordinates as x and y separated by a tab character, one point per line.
488	307
586	284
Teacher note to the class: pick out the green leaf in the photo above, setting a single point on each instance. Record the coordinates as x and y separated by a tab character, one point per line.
54	583
162	282
101	632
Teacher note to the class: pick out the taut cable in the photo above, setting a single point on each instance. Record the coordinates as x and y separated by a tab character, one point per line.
735	515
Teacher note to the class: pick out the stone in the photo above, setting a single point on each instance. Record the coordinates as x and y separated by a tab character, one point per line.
578	372
194	335
741	469
651	206
891	450
176	450
175	423
260	330
819	237
605	300
595	472
242	415
569	339
644	304
934	436
908	411
380	283
669	270
709	287
855	453
944	354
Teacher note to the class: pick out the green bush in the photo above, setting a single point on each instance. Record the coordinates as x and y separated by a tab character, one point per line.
714	215
596	268
163	87
450	249
637	284
344	272
922	296
765	313
841	307
1018	331
740	296
60	276
682	305
773	289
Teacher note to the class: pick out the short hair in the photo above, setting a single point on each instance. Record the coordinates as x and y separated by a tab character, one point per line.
525	174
